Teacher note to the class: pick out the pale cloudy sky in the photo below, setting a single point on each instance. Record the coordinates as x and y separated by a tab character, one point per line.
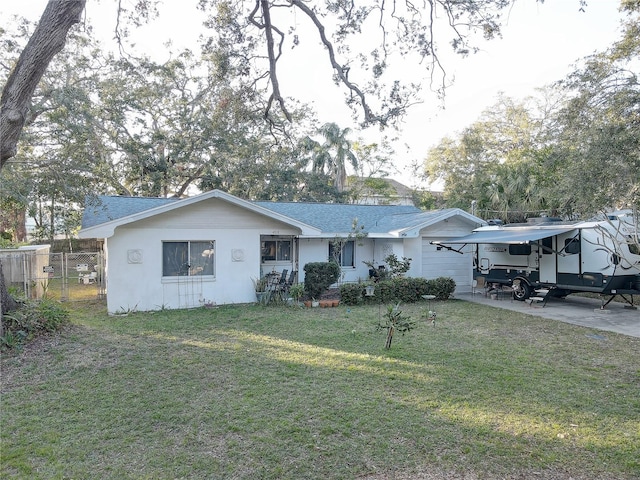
540	43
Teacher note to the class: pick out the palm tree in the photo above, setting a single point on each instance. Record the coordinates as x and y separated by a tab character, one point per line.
516	190
334	153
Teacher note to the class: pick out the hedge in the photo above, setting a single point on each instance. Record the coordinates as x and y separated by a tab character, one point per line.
319	276
406	290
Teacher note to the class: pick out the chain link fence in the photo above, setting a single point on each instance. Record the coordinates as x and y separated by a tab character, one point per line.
61	276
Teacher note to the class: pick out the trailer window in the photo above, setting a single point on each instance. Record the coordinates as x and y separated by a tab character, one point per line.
572	246
519	249
547	245
634	245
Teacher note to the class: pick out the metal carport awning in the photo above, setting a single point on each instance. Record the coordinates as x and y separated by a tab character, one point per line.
507	236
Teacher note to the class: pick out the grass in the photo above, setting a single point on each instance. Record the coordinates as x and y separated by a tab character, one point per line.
277	393
71	290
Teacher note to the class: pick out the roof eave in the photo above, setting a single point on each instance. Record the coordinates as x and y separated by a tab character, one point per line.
414	230
346	235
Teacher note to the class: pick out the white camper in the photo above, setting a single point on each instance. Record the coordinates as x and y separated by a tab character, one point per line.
601	256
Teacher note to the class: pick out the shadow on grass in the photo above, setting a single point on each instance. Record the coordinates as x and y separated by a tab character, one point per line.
249	392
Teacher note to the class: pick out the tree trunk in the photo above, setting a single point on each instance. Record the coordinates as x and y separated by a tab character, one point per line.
7	303
390	332
48	39
12	219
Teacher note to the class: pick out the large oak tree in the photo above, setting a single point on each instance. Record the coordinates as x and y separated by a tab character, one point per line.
47	40
248	38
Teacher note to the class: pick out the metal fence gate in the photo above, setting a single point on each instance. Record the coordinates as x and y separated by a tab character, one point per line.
61	276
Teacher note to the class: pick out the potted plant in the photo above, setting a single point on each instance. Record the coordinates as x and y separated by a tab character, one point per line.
296	291
260	287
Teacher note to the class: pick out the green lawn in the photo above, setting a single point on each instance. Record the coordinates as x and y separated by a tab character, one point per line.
286	393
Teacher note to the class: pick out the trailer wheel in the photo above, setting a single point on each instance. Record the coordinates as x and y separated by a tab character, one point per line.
521	290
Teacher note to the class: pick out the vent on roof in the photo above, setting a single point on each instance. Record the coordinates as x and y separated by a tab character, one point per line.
538	220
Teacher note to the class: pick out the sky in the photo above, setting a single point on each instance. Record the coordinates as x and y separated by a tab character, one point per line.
540	43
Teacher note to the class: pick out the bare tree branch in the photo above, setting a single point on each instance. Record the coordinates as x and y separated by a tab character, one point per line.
269	28
341	71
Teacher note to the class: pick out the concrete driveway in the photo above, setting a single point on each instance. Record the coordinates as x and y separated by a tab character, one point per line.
572	309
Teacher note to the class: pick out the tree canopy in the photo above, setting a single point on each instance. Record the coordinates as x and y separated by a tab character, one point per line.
252	37
248	39
103	124
572	151
135	126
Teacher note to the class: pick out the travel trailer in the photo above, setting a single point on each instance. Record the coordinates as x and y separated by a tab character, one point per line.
601	256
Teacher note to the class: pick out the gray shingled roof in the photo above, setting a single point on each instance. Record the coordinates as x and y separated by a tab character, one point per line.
338	217
103	208
330	218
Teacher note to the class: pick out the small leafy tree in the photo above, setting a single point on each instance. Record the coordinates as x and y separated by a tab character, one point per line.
397	267
394	320
356	234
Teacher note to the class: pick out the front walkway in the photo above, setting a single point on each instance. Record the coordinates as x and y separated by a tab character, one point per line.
572	309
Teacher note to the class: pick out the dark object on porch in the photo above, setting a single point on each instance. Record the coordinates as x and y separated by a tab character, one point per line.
293	276
377	274
283	279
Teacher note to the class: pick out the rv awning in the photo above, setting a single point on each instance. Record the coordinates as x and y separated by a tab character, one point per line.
507	236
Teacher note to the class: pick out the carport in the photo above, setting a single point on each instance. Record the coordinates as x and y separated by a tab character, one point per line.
576	310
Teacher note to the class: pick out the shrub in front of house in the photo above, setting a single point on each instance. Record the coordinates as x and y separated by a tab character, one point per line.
319	276
442	287
384	292
409	290
406	290
352	293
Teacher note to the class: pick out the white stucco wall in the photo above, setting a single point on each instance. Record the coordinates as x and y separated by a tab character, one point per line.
413	250
367	249
134	262
434	262
134	255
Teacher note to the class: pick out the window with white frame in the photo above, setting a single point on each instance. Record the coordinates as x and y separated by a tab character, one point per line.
275	250
187	258
345	256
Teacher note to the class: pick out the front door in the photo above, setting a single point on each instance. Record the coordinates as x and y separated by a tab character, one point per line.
548	266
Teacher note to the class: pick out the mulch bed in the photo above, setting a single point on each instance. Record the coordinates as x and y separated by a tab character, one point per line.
331	294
